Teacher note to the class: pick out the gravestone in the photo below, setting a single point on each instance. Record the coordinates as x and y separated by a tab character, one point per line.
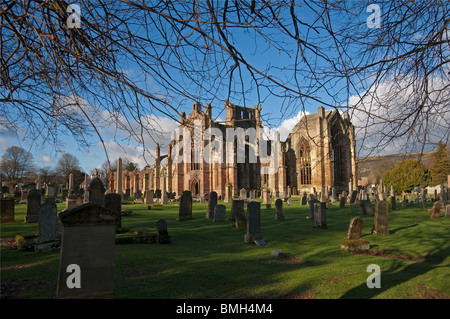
50	190
238	213
185	208
33	204
219	213
113	202
342	202
436	210
228	193
353	197
118	180
137	199
366	207
48	226
243	194
162	235
24	196
355	228
320	215
333	194
211	204
312	201
304	199
88	243
97	192
253	223
148	197
7	211
266	196
393	203
447	210
381	218
279	209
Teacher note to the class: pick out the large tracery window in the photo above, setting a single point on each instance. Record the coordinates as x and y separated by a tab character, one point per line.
305	163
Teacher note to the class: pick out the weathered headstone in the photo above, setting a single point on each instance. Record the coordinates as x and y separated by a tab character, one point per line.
87	249
23	196
48	226
279	209
353	197
320	215
228	193
238	213
447	210
266	196
304	199
312	201
113	202
253	223
162	234
381	218
148	197
219	213
7	210
185	208
393	203
33	204
96	192
333	194
243	194
355	228
342	201
211	204
436	210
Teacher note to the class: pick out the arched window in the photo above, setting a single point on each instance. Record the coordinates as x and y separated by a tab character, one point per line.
305	163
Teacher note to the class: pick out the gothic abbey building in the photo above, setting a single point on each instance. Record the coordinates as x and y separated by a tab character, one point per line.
317	155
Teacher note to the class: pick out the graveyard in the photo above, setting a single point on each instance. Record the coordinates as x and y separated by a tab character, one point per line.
286	254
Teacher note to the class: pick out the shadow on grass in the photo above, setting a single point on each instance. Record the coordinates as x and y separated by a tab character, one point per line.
393	231
395	276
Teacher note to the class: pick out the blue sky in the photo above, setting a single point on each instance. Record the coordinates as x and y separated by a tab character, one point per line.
275	113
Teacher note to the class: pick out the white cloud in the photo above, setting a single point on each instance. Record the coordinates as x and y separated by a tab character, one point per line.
47	159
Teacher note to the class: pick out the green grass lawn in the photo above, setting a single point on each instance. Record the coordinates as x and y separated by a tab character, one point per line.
210	260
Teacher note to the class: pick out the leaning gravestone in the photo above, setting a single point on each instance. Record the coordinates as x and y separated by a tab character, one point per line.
185	208
253	223
279	209
355	228
381	218
320	215
219	213
113	202
33	204
436	210
7	211
162	235
211	204
48	226
86	264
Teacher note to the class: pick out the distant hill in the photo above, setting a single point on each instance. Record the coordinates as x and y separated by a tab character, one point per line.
371	169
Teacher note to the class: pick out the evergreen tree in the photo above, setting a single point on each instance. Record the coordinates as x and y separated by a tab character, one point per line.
441	166
406	175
